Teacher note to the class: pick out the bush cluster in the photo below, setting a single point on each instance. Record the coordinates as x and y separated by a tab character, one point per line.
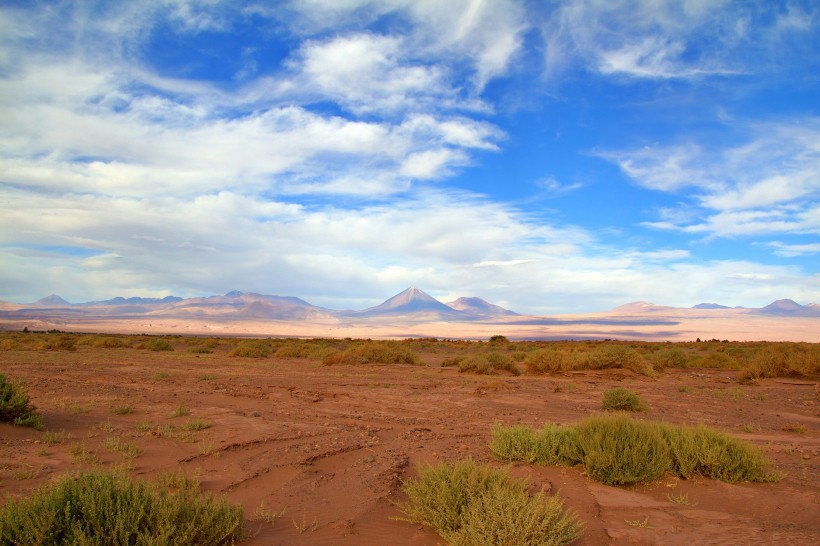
488	364
476	505
374	352
107	508
618	450
252	348
15	406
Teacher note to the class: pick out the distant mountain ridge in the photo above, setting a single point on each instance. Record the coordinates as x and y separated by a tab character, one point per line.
411	303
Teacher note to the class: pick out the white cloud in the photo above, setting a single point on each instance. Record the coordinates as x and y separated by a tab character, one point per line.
767	185
792	250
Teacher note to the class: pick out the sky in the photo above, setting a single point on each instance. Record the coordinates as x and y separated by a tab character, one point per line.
547	156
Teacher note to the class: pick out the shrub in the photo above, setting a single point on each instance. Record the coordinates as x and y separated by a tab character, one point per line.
476	505
158	344
616	450
107	508
783	360
15	407
620	356
374	352
707	452
201	350
670	358
59	343
488	364
252	348
544	361
552	445
619	399
498	339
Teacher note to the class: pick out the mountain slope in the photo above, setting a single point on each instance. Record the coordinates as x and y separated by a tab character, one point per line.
479	307
51	301
789	308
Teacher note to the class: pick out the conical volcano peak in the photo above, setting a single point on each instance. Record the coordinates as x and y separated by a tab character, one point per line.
412	300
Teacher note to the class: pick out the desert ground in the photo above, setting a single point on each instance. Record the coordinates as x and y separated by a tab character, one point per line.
317	454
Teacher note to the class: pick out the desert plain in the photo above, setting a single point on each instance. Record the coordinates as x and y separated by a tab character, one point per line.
317	454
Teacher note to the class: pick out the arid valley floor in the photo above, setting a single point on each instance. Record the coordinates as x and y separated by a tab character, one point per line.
317	454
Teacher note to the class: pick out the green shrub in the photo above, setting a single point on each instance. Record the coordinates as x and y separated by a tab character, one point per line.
107	508
477	505
620	399
618	356
616	449
201	350
509	515
498	339
374	352
252	348
706	452
15	407
552	445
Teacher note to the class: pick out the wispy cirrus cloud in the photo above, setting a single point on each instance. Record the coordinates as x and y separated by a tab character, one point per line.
766	185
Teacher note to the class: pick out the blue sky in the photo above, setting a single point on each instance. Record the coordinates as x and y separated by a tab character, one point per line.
550	157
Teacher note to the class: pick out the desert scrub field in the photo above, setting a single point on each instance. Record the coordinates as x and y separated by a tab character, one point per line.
476	505
619	450
105	507
752	361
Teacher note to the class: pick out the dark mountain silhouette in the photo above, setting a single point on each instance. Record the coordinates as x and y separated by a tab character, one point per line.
479	307
710	306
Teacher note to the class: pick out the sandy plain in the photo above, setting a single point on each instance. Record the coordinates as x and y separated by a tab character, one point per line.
662	324
325	449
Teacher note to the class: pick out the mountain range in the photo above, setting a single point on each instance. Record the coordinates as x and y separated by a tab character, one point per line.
412	304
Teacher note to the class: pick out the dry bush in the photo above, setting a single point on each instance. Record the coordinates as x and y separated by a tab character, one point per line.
374	352
252	348
546	361
488	364
670	358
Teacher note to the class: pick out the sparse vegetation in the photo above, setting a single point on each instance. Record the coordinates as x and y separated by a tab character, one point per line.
108	508
488	364
252	348
374	352
620	399
15	406
471	504
618	450
181	411
123	410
